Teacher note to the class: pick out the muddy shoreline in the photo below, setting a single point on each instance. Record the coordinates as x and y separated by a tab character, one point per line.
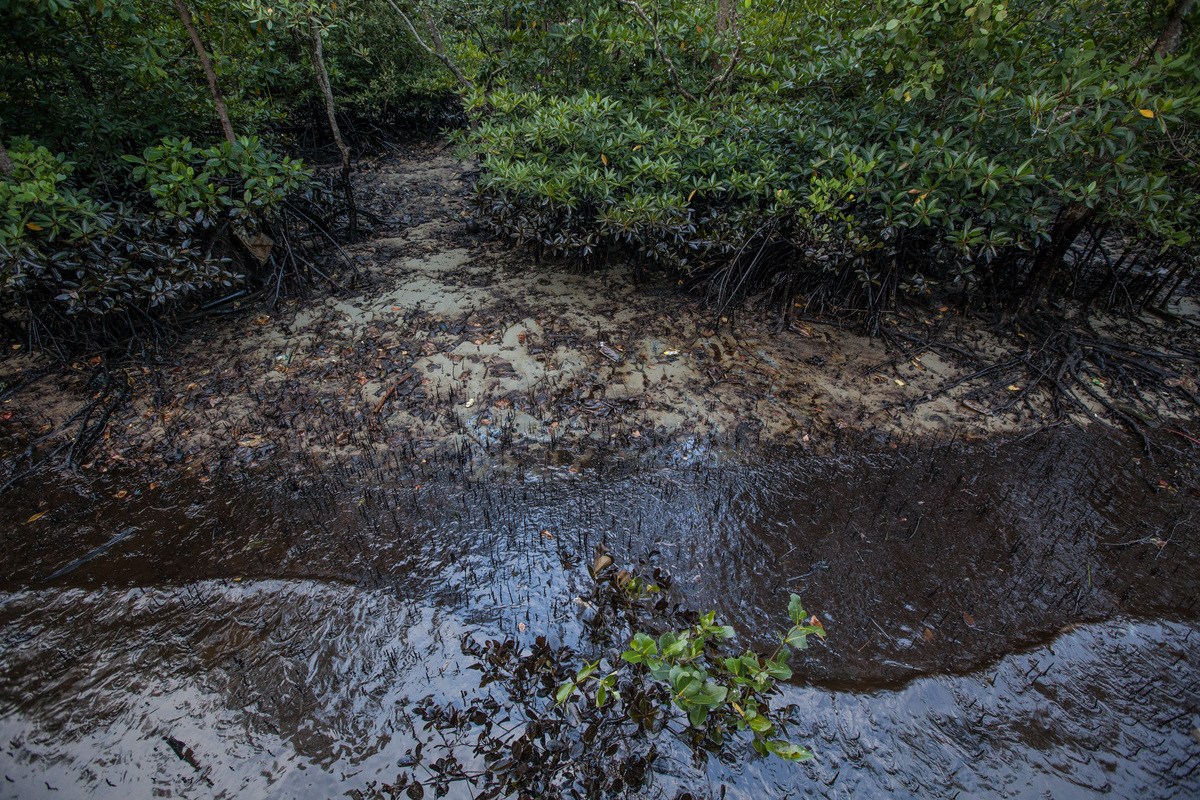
445	340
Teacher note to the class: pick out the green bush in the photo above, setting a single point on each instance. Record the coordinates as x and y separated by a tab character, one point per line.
861	149
245	181
64	253
66	258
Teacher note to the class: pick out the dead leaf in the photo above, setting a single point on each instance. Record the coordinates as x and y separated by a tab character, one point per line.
967	618
36	516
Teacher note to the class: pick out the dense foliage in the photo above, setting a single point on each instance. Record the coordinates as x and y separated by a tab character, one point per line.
860	149
842	153
121	197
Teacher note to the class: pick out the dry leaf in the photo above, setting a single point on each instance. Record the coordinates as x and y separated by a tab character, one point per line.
967	618
36	516
1147	113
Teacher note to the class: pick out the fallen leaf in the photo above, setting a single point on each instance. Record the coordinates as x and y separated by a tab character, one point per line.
36	516
900	382
521	627
121	494
928	634
261	319
967	618
1012	387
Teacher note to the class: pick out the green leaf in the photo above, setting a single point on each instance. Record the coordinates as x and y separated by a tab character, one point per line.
795	609
564	692
788	751
758	723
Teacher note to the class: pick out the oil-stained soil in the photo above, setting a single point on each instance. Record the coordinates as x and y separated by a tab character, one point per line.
443	339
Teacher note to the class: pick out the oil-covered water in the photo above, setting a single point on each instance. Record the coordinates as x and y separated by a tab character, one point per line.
1015	620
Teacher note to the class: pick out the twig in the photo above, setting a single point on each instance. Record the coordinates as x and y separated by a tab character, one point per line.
388	395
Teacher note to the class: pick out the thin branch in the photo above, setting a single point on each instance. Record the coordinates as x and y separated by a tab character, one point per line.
218	100
662	53
440	52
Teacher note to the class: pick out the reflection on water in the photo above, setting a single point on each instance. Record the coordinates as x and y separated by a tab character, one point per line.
298	688
1004	622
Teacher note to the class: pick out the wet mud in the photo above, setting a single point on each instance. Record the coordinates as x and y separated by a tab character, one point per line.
1005	619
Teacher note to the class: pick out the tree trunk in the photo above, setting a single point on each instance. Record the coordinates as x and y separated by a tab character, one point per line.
218	100
724	12
724	20
318	58
6	164
1172	34
438	50
1071	222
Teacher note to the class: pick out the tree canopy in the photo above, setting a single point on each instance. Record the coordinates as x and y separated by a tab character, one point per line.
843	152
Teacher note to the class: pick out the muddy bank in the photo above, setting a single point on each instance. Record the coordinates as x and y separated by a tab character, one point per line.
442	339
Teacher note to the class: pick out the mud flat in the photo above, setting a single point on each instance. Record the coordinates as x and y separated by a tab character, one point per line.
445	340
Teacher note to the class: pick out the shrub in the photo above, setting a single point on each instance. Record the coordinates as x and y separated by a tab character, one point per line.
73	266
861	151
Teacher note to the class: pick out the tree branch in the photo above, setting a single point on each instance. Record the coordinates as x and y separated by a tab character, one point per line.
716	81
662	53
440	52
223	113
